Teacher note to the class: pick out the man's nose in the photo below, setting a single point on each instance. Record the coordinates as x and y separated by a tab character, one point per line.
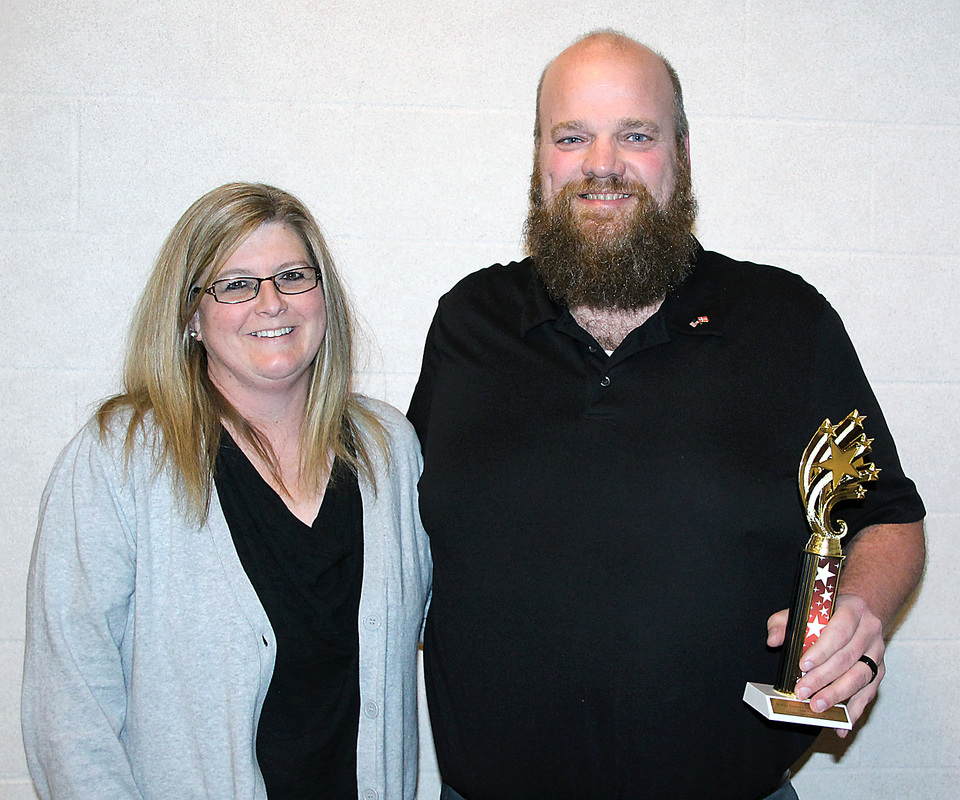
603	159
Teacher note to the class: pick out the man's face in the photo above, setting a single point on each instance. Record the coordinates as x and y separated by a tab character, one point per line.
611	208
607	117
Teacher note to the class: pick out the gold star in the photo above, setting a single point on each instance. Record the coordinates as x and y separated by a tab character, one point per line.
840	463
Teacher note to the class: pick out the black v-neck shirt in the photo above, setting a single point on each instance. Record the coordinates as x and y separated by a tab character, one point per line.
308	579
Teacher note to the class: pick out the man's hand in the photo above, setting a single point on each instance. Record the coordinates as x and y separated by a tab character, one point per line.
884	564
834	673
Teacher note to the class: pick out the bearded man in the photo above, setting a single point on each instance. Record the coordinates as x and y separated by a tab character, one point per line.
611	430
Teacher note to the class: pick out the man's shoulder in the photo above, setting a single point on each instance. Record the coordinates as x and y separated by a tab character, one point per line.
731	270
750	282
499	282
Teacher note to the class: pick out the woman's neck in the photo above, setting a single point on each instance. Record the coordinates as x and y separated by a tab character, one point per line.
278	419
275	414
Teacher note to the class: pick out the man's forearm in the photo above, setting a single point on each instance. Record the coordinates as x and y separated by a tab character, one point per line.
884	565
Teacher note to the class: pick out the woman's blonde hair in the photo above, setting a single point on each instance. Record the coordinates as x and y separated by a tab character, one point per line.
165	372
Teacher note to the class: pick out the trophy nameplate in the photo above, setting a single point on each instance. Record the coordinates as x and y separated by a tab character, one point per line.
832	469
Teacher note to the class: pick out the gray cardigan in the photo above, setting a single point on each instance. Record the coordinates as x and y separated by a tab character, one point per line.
148	653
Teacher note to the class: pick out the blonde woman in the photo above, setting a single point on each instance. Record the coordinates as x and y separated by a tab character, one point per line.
230	573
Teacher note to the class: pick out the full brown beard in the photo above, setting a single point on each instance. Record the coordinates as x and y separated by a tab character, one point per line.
610	260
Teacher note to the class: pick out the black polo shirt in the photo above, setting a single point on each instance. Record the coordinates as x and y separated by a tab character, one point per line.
610	533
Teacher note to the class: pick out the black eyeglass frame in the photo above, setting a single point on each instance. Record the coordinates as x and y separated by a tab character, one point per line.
211	289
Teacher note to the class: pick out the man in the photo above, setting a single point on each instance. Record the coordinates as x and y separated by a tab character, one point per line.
611	432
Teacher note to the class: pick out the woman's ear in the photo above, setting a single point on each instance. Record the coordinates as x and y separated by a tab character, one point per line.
193	328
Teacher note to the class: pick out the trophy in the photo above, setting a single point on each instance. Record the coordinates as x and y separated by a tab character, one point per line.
832	469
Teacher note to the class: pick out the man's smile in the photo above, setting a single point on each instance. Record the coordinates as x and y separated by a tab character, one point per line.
605	196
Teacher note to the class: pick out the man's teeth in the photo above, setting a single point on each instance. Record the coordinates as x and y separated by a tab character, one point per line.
606	196
273	334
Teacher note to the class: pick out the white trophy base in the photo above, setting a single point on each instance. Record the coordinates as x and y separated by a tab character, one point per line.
780	707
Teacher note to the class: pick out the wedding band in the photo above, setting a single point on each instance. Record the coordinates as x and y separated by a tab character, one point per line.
873	667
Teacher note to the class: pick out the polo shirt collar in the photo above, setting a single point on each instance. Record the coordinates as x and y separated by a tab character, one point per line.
694	308
538	306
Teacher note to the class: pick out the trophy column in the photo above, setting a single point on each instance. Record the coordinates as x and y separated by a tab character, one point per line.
813	594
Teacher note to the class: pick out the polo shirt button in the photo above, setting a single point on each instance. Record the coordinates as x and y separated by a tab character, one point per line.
605	380
370	794
371	709
371	622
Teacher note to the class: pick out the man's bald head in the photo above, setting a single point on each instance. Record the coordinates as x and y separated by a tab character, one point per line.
625	47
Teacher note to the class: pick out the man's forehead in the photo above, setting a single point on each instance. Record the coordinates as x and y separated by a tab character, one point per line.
602	72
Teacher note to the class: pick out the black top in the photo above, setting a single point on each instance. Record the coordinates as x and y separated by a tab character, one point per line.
308	580
610	534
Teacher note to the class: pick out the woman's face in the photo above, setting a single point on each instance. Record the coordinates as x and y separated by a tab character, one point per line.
270	342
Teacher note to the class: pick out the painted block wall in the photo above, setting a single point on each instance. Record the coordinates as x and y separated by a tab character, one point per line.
825	139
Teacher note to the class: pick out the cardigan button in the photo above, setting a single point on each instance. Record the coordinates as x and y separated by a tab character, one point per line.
605	380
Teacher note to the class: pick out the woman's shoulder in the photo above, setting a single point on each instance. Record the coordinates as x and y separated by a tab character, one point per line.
114	447
392	419
396	445
116	430
91	461
95	441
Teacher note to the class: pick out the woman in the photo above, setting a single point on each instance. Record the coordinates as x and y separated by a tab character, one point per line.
229	576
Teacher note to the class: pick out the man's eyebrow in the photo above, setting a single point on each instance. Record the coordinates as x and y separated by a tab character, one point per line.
631	123
568	125
627	123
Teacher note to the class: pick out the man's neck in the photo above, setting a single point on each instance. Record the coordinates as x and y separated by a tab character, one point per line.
610	326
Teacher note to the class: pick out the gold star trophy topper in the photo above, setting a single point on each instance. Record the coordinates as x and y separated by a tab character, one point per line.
832	469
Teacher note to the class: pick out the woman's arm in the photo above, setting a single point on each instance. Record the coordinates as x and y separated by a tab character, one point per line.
79	604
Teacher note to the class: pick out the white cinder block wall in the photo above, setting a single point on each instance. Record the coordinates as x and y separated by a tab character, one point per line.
825	139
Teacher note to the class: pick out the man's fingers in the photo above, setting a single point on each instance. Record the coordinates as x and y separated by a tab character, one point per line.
854	685
833	666
858	703
851	632
777	628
